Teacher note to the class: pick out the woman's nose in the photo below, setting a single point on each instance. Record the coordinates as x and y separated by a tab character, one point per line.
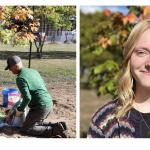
147	65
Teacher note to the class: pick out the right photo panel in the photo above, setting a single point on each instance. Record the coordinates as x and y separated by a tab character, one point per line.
115	71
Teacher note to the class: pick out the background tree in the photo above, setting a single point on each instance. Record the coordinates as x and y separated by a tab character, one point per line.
20	24
103	35
57	17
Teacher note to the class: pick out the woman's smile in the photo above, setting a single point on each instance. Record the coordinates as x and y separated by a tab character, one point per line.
147	73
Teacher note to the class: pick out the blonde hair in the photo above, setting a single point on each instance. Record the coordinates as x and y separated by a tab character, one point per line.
126	83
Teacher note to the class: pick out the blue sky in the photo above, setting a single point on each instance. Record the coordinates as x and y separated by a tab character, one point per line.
92	9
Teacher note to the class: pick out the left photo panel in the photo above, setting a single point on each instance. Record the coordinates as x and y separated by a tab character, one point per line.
38	71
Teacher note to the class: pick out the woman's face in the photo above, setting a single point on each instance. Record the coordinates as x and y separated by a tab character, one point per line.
140	61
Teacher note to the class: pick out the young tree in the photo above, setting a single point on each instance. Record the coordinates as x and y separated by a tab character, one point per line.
18	26
55	16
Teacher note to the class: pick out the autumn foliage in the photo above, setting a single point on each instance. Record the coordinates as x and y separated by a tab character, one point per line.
23	23
18	24
102	38
2	13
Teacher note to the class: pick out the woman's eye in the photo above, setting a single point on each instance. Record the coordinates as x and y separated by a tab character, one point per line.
142	53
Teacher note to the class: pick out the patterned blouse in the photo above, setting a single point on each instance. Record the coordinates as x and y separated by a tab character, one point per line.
104	124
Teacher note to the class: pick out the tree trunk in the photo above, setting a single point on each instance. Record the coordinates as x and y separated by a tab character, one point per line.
66	35
39	42
29	65
37	45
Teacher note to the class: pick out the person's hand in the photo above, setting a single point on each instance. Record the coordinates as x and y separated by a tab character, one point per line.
19	113
9	115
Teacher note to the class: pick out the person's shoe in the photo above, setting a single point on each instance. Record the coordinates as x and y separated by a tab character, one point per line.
59	130
56	136
53	124
45	124
64	125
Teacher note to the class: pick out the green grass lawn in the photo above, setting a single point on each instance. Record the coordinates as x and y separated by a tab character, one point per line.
52	70
46	48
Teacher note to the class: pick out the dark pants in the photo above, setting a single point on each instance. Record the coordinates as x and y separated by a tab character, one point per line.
33	124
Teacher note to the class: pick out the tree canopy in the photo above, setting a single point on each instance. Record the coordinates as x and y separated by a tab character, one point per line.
102	38
19	23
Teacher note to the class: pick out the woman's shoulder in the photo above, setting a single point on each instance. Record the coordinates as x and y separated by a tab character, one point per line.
105	111
104	123
104	119
108	106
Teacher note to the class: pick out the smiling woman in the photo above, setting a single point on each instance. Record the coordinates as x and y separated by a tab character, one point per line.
140	68
129	114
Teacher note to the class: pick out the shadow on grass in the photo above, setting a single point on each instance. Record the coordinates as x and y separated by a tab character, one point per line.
46	55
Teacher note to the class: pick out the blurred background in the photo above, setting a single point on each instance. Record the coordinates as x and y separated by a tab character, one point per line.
103	32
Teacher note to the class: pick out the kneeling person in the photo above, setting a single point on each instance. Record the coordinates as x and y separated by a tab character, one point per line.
35	95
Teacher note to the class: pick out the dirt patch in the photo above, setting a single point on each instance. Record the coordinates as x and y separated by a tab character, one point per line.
64	98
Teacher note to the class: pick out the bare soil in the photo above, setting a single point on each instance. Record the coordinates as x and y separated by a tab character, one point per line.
64	109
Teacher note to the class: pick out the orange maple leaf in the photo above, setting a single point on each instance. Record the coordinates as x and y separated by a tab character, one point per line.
104	42
107	12
131	18
146	12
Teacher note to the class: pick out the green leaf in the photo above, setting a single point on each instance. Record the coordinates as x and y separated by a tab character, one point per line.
98	50
102	89
110	85
98	69
114	39
111	65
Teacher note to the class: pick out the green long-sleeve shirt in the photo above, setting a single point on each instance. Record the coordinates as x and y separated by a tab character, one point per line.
33	89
